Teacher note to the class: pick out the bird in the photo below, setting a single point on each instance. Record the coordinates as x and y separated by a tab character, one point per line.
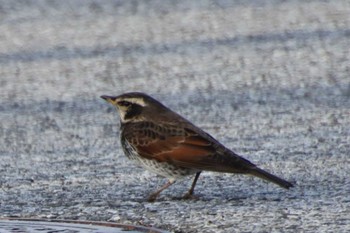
165	143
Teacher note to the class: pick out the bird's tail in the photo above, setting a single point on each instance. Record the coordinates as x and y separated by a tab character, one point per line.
269	177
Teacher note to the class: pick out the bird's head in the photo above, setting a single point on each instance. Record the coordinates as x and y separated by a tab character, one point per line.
134	106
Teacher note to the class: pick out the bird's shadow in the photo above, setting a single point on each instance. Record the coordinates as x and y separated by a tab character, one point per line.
271	196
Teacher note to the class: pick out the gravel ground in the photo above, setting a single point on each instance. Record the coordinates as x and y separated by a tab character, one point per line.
269	79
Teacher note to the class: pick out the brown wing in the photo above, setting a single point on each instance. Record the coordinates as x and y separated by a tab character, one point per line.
185	147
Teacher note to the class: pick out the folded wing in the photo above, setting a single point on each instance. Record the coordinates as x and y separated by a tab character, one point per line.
186	148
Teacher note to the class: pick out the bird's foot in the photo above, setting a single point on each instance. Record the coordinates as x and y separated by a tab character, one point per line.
153	197
190	196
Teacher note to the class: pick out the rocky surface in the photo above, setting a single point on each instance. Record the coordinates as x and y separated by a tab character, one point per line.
269	79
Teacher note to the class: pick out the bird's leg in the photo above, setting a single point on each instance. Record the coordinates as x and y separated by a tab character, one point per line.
189	194
154	195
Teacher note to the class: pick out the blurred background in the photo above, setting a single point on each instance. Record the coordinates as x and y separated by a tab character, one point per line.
269	79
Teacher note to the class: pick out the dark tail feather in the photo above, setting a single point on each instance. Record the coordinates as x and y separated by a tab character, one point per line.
272	178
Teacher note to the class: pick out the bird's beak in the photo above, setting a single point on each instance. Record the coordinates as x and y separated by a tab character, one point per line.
110	99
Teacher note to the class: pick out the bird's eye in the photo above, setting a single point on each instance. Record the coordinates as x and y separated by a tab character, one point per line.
124	103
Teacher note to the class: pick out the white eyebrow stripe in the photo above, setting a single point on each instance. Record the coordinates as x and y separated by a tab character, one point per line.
138	101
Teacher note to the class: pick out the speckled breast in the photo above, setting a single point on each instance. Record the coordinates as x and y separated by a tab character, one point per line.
161	168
